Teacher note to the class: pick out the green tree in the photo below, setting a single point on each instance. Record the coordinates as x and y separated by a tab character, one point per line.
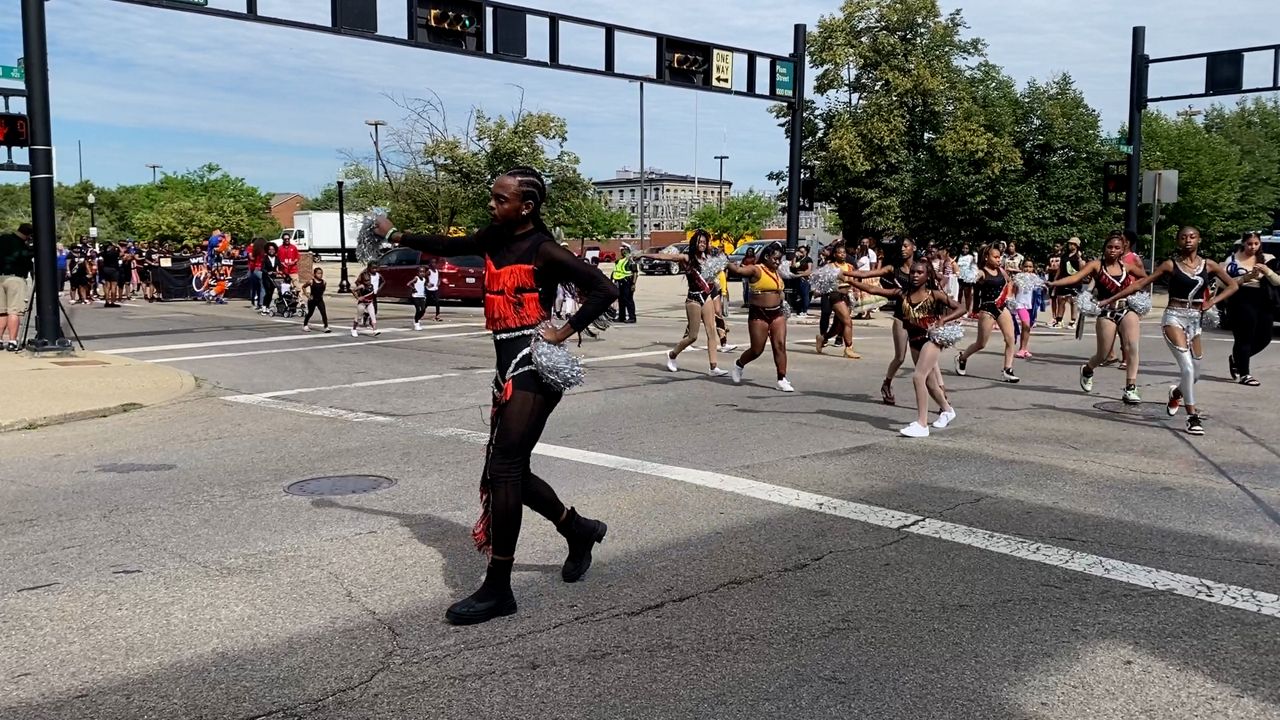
187	207
438	174
890	86
1059	138
742	216
588	218
1212	179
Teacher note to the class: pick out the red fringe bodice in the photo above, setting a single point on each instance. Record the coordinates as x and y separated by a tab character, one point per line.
511	297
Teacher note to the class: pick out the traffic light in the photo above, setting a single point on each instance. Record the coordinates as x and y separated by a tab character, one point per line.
451	20
808	189
451	23
1115	183
685	62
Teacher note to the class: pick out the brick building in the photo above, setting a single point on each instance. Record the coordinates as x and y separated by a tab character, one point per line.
284	205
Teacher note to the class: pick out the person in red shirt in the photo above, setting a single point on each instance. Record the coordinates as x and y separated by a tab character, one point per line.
256	250
289	258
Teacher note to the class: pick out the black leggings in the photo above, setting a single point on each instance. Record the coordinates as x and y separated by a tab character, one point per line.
420	305
1250	324
316	304
508	482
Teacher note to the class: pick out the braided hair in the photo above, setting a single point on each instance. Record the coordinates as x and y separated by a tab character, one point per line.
695	260
533	188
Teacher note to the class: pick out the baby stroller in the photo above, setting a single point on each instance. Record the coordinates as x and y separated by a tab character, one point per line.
287	303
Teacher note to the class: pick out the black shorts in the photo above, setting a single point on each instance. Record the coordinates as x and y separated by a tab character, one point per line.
109	275
991	308
766	314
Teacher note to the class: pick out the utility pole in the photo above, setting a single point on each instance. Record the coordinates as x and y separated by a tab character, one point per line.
35	50
1137	103
344	282
377	147
642	171
720	194
800	58
154	167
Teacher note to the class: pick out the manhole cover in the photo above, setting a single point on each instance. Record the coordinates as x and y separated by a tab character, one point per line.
339	485
1147	411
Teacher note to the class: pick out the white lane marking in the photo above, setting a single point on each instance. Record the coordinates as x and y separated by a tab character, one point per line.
1235	596
353	344
422	378
244	341
366	383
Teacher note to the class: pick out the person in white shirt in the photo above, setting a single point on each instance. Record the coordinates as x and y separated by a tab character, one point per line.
426	287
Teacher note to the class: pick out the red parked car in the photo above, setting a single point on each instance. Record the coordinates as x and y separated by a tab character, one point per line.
461	277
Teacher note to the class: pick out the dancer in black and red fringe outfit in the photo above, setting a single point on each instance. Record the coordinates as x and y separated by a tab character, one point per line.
523	268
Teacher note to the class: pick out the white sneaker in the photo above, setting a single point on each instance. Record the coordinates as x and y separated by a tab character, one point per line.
945	418
306	328
737	374
915	430
785	385
728	348
417	326
717	372
671	363
376	333
355	333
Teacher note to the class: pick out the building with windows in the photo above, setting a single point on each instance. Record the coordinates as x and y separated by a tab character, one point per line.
669	198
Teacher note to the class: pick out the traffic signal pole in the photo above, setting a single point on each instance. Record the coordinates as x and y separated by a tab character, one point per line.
36	53
797	137
1137	103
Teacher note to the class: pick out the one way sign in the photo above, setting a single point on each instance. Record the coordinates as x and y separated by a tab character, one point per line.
722	69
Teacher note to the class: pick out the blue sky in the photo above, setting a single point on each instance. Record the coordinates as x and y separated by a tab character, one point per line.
137	85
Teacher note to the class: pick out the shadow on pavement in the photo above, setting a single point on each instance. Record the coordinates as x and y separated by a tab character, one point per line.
797	615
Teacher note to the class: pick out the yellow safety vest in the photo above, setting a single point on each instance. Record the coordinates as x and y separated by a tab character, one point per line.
622	268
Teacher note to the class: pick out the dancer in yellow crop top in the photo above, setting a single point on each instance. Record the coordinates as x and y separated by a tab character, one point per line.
766	318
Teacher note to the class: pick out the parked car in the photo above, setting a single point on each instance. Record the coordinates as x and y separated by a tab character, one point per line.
741	251
461	276
658	267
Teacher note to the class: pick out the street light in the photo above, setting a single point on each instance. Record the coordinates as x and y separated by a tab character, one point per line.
344	284
720	192
1190	112
154	167
93	218
377	149
642	170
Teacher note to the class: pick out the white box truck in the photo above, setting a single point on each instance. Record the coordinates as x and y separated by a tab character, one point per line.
316	231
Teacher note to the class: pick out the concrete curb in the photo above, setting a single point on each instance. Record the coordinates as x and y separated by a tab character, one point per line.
186	384
62	418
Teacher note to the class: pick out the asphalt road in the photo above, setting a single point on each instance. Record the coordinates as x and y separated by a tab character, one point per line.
1051	555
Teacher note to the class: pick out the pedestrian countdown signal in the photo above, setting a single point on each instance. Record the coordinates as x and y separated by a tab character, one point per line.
15	131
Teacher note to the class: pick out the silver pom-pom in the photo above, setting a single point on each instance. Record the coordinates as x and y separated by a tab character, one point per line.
947	335
1210	319
558	367
1139	302
369	246
1025	281
713	265
1087	304
825	280
968	274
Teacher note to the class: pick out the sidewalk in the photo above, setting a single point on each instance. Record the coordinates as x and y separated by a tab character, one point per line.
53	389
